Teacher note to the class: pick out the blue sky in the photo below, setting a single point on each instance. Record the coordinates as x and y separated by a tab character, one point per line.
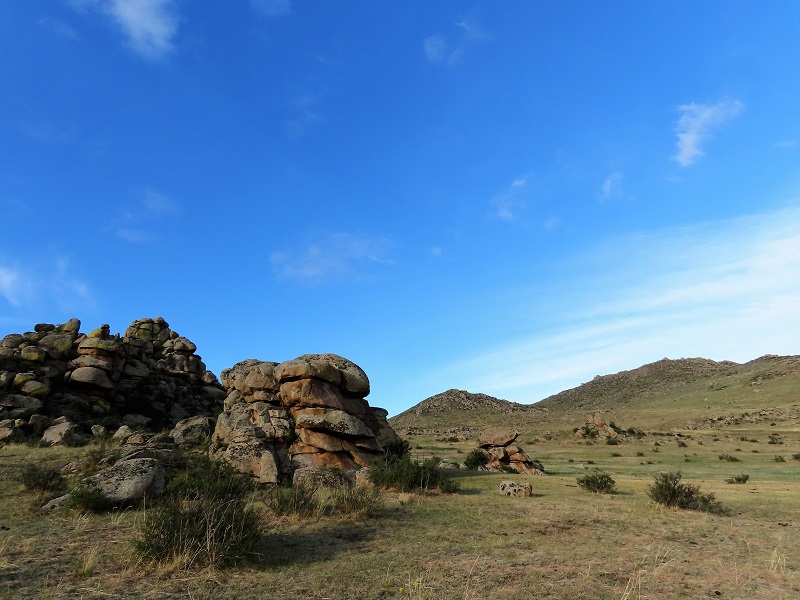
508	198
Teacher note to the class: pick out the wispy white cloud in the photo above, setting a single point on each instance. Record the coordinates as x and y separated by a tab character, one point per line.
509	204
695	125
306	117
551	223
612	186
152	203
272	8
33	285
59	28
149	26
331	258
160	204
439	50
786	144
727	290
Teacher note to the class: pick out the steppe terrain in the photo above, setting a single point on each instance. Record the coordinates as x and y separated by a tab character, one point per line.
561	543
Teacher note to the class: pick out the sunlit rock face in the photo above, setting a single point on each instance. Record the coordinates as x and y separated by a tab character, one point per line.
306	412
150	374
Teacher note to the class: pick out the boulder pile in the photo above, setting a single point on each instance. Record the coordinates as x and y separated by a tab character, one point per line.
306	412
505	456
150	374
597	427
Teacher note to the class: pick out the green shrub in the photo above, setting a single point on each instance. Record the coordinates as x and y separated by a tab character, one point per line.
779	458
640	453
91	499
41	479
396	449
408	475
796	456
668	490
476	459
616	454
599	483
729	458
743	478
354	500
612	441
204	521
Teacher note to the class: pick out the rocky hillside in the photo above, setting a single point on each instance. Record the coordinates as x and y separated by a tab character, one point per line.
649	380
690	392
457	412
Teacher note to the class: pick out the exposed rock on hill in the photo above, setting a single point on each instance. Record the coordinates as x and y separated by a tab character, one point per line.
98	378
301	413
626	386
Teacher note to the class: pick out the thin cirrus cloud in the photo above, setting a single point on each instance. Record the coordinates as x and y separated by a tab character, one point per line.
272	8
331	258
712	291
149	26
153	203
509	204
612	187
696	124
23	288
439	50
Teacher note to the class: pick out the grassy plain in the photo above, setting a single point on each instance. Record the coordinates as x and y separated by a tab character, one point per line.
561	543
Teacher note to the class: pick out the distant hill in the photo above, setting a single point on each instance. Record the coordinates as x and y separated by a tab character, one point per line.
682	393
653	379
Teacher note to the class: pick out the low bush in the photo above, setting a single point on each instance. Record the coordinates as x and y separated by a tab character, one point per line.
728	457
91	499
779	458
599	483
41	479
297	500
203	520
407	475
612	441
743	478
668	490
476	459
396	449
796	456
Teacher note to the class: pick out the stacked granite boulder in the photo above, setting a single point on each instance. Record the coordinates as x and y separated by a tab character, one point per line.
505	456
302	413
150	372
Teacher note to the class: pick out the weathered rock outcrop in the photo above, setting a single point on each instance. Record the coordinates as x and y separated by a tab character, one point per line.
503	456
306	412
98	378
597	427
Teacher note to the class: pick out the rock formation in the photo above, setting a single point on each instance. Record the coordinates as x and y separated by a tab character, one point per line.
511	488
150	373
503	456
306	412
597	427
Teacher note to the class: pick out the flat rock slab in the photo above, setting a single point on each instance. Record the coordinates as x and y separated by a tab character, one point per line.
497	437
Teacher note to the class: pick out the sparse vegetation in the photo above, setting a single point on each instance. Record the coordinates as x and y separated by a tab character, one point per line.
668	490
475	459
42	479
407	475
598	483
205	520
728	458
743	478
779	458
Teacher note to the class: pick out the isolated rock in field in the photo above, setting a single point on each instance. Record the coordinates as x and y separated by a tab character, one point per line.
505	457
511	488
130	480
308	412
497	437
597	427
